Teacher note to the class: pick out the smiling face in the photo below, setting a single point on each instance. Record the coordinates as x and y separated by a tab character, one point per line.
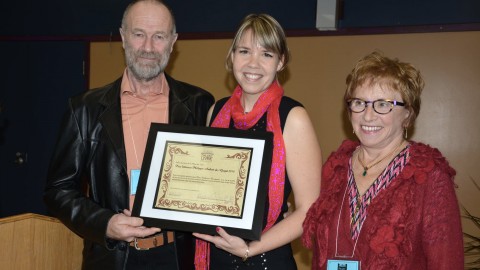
254	67
379	131
148	39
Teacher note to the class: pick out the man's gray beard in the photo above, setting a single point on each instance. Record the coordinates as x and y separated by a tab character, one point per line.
144	72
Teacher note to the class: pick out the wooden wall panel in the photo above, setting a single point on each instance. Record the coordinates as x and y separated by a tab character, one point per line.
35	242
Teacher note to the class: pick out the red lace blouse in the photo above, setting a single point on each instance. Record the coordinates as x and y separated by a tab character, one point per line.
413	224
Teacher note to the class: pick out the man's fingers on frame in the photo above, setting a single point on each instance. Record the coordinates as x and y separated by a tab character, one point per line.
134	221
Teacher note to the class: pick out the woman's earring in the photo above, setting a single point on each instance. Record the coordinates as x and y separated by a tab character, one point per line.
406	135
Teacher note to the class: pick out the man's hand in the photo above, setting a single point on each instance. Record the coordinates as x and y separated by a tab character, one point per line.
124	227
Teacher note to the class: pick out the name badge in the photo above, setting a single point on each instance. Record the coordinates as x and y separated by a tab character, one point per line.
343	265
134	178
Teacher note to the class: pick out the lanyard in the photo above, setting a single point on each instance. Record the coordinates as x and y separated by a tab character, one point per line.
131	135
127	111
338	225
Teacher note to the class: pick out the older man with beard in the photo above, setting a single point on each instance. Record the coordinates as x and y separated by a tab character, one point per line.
102	141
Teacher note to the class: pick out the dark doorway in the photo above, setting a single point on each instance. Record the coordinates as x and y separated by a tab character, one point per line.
37	77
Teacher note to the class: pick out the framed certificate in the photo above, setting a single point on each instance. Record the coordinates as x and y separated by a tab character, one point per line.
198	178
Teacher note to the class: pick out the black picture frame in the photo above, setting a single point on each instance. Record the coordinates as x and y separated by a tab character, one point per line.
161	171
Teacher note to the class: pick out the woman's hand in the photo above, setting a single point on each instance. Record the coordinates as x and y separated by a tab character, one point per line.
232	244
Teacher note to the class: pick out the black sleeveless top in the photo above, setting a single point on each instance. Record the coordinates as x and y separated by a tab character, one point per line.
280	258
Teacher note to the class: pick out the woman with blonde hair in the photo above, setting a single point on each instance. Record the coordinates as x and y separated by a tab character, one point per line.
258	52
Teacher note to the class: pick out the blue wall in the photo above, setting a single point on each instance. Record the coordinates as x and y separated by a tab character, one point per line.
102	17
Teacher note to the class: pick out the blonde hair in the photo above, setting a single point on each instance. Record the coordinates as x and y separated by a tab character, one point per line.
267	32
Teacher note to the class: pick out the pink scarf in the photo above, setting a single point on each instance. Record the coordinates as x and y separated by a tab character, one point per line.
268	102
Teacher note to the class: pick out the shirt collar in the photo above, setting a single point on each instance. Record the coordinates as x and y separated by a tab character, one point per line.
126	87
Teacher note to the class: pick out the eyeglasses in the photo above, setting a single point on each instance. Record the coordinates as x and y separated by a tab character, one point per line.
380	106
